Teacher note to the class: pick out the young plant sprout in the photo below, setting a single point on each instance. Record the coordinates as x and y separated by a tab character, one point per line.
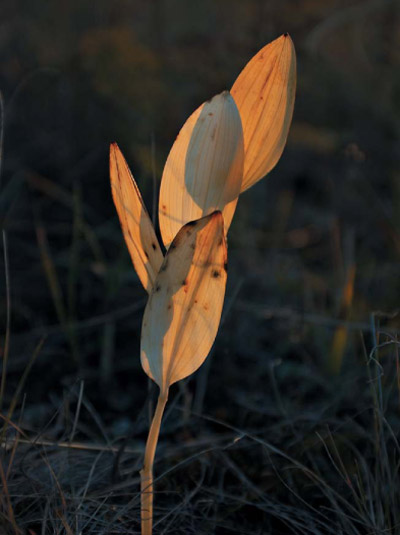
229	143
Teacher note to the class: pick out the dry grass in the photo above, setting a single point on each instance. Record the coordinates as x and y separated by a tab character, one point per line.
297	466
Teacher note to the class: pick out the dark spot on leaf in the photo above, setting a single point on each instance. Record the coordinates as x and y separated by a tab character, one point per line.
164	206
206	306
210	114
216	274
169	306
196	301
154	246
184	282
157	288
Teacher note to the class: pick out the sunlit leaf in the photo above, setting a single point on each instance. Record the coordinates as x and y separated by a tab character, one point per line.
184	309
136	225
204	169
264	94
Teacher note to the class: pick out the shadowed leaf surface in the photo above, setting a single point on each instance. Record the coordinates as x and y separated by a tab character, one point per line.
264	94
184	309
136	224
204	169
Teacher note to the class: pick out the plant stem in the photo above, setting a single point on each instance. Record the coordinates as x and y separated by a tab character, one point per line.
146	474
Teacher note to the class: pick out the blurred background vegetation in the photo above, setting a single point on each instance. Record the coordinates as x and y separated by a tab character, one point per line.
314	249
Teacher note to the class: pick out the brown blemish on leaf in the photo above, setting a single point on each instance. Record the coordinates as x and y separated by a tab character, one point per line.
185	285
157	288
215	274
210	114
154	246
206	306
169	306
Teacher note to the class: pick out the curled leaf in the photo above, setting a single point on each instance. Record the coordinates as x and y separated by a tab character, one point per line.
264	94
183	312
136	224
204	169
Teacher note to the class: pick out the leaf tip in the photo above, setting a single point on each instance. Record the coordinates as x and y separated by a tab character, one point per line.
114	146
216	215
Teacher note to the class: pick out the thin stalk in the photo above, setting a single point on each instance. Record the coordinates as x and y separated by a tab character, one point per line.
146	474
8	321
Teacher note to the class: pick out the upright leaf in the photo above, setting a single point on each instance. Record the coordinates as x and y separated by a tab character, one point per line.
182	315
204	169
137	227
264	94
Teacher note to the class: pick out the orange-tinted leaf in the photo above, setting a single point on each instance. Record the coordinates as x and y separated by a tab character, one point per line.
264	94
204	169
136	225
184	309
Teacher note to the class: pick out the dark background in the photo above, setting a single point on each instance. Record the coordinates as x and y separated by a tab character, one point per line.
325	224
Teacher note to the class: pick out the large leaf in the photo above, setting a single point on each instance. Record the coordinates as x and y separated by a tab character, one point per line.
204	169
264	94
136	225
183	312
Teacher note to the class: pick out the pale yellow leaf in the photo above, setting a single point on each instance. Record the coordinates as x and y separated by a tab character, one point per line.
264	94
183	312
204	169
136	224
